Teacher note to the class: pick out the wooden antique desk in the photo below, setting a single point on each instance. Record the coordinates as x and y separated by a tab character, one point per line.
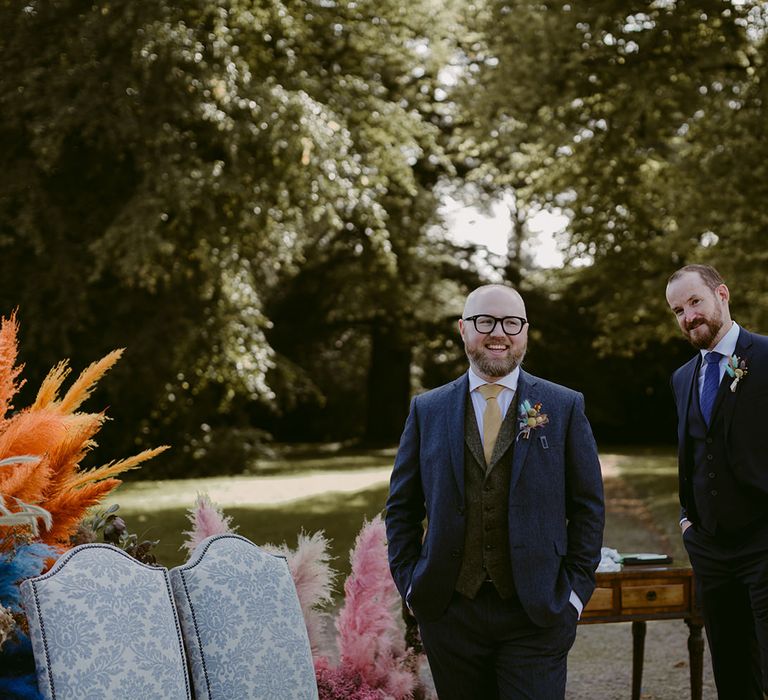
639	593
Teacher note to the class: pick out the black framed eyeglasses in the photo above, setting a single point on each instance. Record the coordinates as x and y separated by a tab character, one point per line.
485	324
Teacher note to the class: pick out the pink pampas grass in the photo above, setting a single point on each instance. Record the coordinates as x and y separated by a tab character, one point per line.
311	571
342	684
370	634
207	519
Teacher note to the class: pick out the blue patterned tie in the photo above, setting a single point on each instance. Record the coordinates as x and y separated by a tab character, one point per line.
711	384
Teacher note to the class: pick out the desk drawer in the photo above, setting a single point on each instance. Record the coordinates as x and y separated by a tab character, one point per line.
653	595
602	600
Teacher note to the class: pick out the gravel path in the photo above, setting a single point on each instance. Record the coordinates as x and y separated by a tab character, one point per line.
600	663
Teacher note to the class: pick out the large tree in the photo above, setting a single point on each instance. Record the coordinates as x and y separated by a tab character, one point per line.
646	125
168	168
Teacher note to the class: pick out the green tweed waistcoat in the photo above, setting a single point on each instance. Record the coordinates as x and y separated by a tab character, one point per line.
486	537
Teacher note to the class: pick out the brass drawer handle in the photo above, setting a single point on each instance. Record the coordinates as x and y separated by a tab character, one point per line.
651	595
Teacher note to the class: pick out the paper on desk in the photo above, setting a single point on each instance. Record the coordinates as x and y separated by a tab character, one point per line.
645	558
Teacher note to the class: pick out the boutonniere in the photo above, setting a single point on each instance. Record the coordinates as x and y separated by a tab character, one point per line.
736	368
531	418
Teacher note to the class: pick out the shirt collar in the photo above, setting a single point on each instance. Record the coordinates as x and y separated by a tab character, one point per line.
727	344
509	382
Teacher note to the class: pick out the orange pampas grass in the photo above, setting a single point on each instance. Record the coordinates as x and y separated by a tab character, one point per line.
59	436
9	329
80	390
31	433
25	481
68	506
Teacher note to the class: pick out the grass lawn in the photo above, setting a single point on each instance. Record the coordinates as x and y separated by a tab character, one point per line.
651	474
310	493
334	492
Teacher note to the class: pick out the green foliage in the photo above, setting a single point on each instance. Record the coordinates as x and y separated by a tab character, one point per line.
645	125
114	531
241	193
168	168
353	339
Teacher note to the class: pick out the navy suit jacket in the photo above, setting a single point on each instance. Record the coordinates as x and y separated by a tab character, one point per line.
744	414
556	512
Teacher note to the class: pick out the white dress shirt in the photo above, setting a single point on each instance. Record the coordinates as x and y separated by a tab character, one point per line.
504	399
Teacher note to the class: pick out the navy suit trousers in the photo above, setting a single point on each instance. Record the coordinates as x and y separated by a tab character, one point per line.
488	648
732	589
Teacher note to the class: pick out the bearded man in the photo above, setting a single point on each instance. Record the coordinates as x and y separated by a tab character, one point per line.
504	468
722	402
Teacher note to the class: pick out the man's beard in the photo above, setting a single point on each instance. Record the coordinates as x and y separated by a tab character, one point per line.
713	325
496	368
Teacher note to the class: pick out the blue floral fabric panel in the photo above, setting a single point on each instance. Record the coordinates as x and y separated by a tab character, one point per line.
242	623
103	625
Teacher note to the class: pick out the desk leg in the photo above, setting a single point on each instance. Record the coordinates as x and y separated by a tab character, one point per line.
695	658
638	651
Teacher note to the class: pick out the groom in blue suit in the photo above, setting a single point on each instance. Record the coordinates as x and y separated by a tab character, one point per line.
495	515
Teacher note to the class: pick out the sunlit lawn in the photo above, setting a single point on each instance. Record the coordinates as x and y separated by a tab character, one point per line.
651	472
282	497
330	493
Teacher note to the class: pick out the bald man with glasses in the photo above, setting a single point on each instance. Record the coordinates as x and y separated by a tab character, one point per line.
495	515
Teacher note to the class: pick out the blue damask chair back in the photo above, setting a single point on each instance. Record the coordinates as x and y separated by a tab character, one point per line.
103	625
242	623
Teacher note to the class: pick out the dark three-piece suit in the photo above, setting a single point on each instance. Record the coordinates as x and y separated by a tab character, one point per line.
723	472
506	543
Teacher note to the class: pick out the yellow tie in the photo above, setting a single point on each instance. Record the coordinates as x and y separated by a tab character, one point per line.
491	418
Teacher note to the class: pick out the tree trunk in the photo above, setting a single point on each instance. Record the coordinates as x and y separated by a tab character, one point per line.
515	263
389	386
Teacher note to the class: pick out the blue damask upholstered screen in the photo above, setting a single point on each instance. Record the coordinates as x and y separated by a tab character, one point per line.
103	625
242	623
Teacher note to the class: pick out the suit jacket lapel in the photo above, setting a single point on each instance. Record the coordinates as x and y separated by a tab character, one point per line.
525	385
727	397
507	433
689	386
455	413
472	434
